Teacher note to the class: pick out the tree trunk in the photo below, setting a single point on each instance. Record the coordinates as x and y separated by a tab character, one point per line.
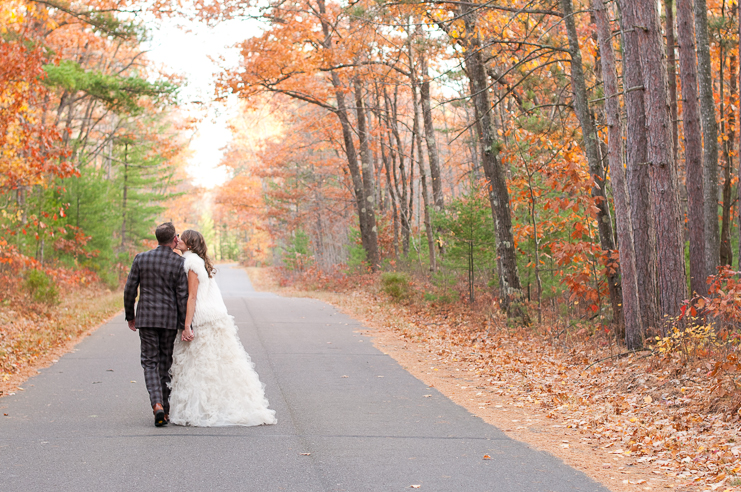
430	140
401	187
124	203
692	146
392	193
591	147
710	133
366	212
417	134
388	165
631	301
425	190
726	252
367	167
639	180
672	279
671	71
509	279
365	207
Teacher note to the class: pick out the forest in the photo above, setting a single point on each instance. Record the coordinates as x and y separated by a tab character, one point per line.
568	159
563	158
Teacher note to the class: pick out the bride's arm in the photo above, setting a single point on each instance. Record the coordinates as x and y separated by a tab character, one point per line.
191	309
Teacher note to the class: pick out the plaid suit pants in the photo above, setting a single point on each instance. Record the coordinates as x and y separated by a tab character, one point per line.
156	355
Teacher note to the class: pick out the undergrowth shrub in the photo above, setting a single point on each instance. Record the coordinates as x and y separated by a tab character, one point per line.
396	285
41	288
694	340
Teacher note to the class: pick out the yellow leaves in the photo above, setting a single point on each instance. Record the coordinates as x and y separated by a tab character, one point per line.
688	341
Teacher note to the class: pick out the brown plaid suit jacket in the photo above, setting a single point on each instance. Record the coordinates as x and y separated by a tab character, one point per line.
163	290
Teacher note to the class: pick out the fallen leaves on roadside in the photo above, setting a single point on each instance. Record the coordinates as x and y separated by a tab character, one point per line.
28	333
656	410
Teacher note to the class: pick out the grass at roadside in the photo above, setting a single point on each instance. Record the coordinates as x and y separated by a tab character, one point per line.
33	334
632	423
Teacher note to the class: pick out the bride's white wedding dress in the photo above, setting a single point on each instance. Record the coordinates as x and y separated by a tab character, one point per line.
214	382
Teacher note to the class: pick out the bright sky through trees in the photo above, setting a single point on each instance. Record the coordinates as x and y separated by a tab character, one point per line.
193	51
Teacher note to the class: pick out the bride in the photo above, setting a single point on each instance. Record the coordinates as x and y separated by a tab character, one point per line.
214	382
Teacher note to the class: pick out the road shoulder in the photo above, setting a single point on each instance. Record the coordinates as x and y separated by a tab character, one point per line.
519	420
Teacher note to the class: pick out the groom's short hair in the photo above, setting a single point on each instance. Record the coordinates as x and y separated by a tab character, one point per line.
165	233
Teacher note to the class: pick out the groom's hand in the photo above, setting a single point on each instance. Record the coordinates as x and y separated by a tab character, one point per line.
132	325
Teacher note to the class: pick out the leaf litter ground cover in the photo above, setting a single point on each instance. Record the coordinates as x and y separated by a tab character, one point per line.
33	335
641	422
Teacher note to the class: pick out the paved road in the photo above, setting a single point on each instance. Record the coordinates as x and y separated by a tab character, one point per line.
83	423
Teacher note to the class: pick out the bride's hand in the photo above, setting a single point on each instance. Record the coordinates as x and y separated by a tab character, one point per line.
187	335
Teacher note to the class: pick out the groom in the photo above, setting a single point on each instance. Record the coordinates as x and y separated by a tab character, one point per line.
163	294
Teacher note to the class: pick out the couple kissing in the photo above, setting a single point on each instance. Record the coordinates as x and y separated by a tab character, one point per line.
195	368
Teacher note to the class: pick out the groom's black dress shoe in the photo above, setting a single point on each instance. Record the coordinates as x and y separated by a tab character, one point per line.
159	415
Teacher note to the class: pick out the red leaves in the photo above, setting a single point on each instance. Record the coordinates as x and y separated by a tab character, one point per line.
31	149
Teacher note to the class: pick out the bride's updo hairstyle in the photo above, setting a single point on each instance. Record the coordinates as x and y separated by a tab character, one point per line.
197	244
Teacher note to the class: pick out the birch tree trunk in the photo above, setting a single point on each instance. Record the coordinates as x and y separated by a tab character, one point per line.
591	148
692	146
672	279
710	140
631	301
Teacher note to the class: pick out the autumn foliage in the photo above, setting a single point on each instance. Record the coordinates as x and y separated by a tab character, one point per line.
90	150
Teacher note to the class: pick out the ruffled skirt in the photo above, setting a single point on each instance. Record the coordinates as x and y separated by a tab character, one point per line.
214	382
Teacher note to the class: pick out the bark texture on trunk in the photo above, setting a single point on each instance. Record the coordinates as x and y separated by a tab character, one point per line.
509	279
710	140
366	211
417	134
430	140
369	192
671	70
591	148
672	279
692	146
400	179
390	187
631	301
639	180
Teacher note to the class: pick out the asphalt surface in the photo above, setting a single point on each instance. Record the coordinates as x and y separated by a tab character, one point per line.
349	419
